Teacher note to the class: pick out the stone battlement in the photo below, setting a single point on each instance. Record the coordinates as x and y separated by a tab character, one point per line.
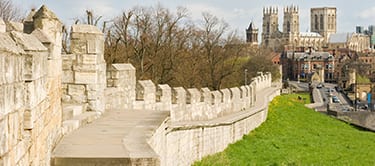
184	104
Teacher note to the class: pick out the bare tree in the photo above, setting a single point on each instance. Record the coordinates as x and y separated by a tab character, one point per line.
220	54
150	38
168	48
9	11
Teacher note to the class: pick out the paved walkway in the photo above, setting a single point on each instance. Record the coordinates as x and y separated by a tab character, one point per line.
117	137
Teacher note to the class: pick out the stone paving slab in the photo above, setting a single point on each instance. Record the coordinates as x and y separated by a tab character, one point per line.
117	136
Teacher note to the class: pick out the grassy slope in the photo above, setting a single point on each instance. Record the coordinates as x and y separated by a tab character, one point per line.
296	135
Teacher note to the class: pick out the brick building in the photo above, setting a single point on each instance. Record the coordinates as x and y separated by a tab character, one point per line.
302	65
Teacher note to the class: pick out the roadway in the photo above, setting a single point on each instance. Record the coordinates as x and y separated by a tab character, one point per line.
324	95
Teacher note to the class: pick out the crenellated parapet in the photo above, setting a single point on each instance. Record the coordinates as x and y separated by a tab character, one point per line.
184	104
270	10
120	91
291	9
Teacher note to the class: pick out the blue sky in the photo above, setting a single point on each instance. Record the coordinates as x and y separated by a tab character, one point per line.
238	13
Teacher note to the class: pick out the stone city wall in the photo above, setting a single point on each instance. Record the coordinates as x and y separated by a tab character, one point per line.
182	143
30	90
202	122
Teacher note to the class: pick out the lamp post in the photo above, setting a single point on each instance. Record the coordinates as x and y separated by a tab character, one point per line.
355	91
245	76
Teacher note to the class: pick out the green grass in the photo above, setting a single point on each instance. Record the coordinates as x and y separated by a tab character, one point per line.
296	135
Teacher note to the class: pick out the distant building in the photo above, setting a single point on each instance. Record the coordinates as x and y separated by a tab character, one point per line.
323	21
302	65
359	29
369	32
354	41
275	39
370	61
291	37
322	36
252	34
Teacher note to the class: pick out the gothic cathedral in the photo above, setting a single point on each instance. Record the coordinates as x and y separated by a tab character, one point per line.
323	23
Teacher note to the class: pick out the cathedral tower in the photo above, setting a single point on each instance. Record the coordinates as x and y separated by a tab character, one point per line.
270	23
323	21
291	20
252	34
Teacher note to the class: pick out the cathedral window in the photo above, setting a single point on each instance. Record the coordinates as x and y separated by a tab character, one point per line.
268	27
316	22
287	26
321	21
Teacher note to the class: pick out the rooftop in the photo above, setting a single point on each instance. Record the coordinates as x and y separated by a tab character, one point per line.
309	34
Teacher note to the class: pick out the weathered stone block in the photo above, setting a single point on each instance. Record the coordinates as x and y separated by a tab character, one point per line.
206	100
179	103
245	96
84	77
28	42
227	102
236	99
5	105
206	95
86	68
146	90
29	117
10	72
93	95
96	105
67	65
217	97
78	46
77	92
19	95
35	65
115	74
67	76
35	92
4	136
193	96
7	44
8	92
14	128
87	59
92	47
164	97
